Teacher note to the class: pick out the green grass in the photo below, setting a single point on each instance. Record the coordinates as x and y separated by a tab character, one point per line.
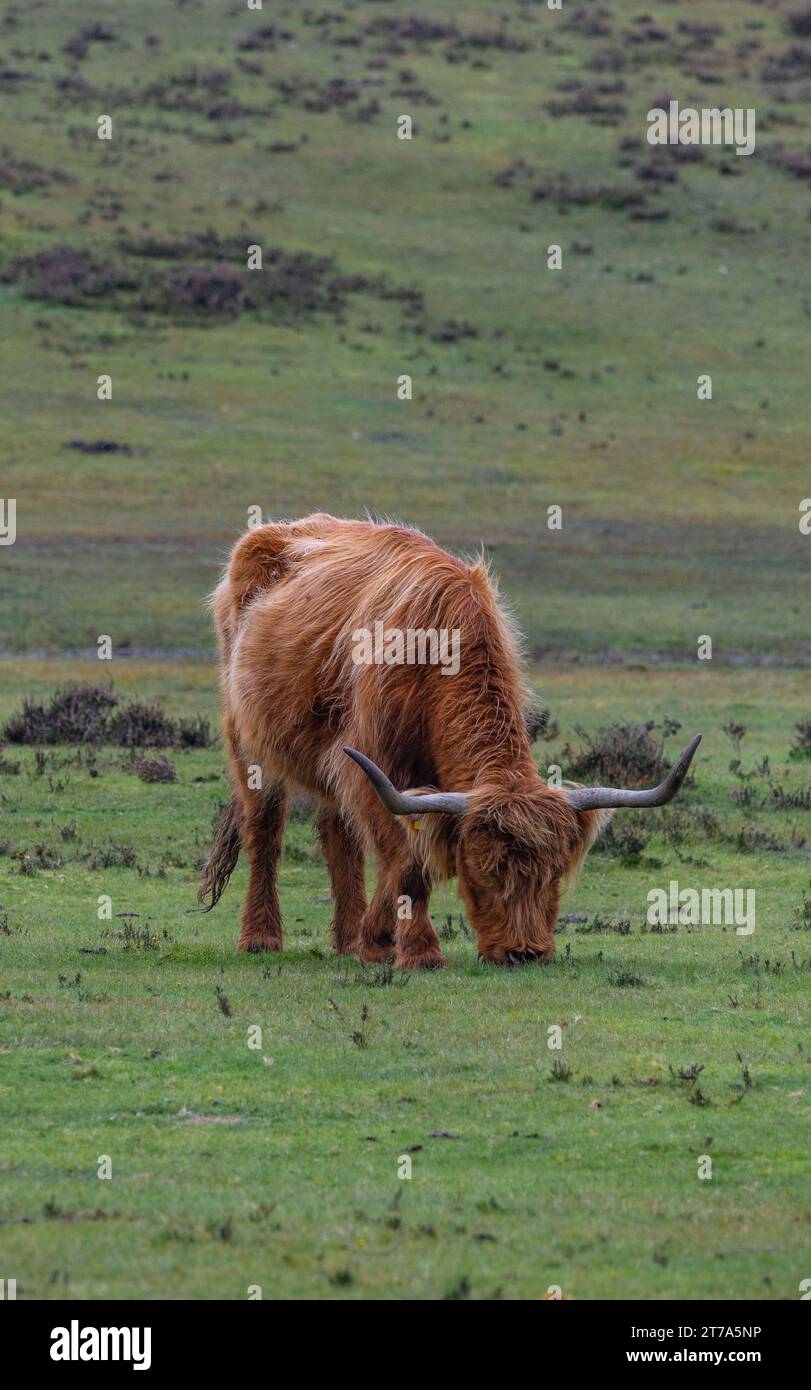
279	1166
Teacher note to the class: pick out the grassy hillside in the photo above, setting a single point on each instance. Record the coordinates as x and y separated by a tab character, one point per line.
530	387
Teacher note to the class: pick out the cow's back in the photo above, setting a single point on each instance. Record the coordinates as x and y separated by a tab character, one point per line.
288	610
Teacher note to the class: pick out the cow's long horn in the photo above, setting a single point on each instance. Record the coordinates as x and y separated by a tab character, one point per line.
400	804
596	798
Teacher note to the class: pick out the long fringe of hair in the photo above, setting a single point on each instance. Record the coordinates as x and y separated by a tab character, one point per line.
222	857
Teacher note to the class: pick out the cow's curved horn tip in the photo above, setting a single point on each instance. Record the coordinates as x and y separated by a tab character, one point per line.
690	751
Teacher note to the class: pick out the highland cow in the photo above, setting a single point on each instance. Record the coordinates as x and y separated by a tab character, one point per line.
302	712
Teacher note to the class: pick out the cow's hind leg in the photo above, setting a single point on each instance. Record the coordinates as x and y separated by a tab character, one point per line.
261	828
345	861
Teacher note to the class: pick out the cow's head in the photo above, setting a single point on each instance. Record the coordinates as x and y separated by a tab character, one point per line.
518	842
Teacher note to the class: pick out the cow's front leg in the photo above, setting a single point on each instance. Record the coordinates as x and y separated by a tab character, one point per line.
418	946
375	941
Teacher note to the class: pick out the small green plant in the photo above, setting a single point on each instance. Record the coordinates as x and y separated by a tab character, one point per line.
687	1075
625	979
223	1002
802	914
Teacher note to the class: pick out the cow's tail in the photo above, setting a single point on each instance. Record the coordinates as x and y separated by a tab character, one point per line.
222	857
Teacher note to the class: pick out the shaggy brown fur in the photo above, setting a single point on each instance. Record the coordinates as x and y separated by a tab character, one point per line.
291	598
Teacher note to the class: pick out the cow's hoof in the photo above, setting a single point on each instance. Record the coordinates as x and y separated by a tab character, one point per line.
259	943
429	960
373	954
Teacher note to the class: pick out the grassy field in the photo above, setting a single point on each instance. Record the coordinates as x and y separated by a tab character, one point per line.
277	1165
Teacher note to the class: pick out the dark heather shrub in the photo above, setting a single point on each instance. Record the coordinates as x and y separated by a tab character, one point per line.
194	733
112	857
66	275
621	755
74	714
142	726
195	290
798	22
84	714
623	841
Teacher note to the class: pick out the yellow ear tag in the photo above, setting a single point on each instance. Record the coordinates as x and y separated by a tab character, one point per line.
415	825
